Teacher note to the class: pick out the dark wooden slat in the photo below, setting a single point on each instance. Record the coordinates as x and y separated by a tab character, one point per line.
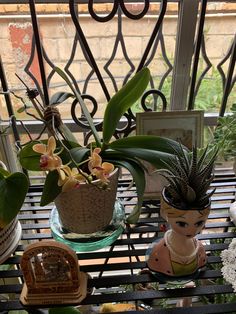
33	216
207	309
115	254
106	268
154	294
111	281
35	226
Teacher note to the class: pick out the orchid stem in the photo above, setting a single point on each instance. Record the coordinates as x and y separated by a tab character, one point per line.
68	151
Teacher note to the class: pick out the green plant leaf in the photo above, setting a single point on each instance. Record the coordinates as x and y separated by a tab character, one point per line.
156	158
4	172
139	178
79	153
21	109
122	101
29	159
68	135
151	142
82	104
65	77
51	188
154	149
233	108
13	190
24	108
70	144
59	97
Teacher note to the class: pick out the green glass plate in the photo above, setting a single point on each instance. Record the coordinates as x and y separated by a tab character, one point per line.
93	241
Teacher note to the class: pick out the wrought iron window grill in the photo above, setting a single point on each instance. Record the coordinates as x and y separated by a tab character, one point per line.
132	246
186	79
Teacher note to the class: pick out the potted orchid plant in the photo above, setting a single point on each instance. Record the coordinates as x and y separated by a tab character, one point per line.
70	166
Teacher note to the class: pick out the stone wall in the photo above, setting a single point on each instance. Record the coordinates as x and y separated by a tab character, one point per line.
212	7
57	33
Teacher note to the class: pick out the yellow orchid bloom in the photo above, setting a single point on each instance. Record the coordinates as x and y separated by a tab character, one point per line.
48	160
70	178
98	168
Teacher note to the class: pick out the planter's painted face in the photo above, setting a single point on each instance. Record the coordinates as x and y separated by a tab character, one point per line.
189	223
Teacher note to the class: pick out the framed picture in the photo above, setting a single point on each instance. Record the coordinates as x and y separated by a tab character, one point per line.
185	126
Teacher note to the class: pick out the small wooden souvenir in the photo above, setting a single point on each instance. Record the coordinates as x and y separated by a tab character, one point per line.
52	275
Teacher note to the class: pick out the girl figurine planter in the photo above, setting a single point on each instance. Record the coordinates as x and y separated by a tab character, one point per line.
185	205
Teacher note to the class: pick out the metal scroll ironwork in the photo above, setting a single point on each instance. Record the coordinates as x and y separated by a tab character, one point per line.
119	11
228	82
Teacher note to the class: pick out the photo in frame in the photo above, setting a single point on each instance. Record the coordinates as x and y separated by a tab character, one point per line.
184	126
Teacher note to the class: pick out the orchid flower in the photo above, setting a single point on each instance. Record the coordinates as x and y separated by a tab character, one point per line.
48	160
98	168
70	178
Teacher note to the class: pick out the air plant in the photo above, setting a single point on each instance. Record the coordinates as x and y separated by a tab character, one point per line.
189	177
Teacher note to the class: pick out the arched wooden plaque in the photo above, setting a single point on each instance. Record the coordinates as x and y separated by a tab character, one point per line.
52	275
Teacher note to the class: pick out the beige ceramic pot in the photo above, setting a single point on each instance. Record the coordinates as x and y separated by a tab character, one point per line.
87	209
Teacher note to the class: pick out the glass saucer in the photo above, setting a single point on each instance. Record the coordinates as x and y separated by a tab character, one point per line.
92	241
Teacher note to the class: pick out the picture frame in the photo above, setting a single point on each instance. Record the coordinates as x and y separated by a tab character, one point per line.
184	126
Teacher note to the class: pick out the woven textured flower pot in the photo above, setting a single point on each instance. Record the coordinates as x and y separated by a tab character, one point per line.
9	238
87	209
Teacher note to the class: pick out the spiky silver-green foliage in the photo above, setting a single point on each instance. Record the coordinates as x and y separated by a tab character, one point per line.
189	177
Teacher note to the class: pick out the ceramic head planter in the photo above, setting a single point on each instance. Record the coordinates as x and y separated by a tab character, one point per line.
185	205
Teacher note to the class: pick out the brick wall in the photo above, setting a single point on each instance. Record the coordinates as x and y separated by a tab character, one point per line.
57	34
213	7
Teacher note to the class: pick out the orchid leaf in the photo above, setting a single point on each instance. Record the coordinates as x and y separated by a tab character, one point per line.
60	97
13	189
156	158
68	135
122	101
65	154
24	108
154	149
69	144
51	188
139	178
82	105
116	155
29	159
65	77
21	109
151	142
79	153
